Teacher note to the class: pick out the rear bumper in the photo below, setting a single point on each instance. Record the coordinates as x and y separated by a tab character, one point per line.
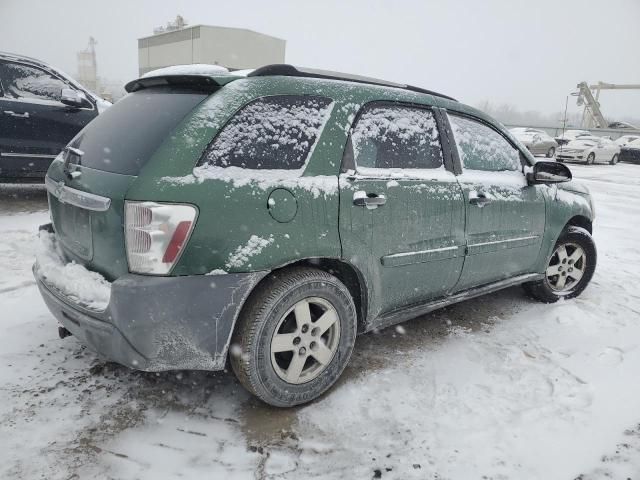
158	323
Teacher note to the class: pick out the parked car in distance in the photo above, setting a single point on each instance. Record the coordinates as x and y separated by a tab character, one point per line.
626	139
41	110
630	152
589	149
267	219
624	125
569	135
537	141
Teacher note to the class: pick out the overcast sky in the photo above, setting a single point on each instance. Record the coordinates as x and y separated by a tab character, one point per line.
530	54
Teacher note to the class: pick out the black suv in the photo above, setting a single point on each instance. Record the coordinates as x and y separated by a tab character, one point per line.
41	110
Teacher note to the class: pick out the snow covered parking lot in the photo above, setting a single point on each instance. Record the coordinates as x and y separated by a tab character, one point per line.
498	387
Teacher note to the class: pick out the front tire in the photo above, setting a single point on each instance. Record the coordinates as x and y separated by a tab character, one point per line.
551	152
570	267
295	337
591	158
614	160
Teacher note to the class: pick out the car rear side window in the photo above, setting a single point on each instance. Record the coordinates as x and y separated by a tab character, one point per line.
482	148
24	81
276	132
125	136
390	136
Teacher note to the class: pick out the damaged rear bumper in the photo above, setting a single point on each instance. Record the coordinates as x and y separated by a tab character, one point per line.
158	323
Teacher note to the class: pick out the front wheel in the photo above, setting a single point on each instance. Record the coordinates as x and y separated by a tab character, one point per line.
570	267
591	158
295	337
551	152
614	160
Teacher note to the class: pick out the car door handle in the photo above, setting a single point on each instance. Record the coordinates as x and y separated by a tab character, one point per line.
478	199
369	200
14	114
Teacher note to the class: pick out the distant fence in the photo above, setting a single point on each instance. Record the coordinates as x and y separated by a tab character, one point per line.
598	132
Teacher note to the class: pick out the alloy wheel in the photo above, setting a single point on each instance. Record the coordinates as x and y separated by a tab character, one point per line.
566	268
305	340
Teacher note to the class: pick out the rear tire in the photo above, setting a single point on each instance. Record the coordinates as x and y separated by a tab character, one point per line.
574	255
591	158
614	160
294	337
551	152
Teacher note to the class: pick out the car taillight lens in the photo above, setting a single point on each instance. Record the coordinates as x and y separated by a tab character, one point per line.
155	234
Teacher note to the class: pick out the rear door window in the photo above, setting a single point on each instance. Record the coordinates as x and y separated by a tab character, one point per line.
480	147
389	136
125	136
276	132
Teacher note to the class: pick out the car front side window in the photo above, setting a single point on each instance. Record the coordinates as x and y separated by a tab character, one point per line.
482	148
27	82
396	137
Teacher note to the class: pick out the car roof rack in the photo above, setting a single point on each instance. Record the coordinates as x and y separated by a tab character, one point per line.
287	70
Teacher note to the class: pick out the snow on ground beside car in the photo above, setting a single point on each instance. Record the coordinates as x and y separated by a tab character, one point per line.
495	387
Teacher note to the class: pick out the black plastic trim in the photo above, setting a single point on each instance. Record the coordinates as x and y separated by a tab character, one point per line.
198	82
413	311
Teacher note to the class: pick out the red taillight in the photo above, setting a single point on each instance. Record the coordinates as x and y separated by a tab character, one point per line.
155	234
179	236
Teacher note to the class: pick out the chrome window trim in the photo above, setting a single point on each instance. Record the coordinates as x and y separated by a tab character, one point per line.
77	198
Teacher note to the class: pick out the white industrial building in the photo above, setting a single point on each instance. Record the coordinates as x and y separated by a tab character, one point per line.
235	48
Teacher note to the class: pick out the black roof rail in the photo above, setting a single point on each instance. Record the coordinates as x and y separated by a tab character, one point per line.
286	70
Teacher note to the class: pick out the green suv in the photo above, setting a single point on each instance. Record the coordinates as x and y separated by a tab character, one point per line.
266	219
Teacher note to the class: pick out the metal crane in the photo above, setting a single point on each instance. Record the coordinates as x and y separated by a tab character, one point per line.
592	115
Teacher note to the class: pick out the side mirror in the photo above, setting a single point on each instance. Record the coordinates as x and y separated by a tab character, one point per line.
549	172
73	98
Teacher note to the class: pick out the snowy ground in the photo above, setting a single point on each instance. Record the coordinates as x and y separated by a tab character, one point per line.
494	388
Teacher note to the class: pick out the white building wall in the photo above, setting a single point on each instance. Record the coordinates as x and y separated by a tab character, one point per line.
229	47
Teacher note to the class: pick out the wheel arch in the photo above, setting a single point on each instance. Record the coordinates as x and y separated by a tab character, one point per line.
580	221
343	271
349	275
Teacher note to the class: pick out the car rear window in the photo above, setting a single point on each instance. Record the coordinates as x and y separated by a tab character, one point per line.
125	136
276	132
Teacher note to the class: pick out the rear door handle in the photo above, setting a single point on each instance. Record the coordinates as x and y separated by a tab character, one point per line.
478	199
14	114
369	200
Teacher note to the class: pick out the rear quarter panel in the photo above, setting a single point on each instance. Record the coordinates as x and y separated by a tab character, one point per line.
235	231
